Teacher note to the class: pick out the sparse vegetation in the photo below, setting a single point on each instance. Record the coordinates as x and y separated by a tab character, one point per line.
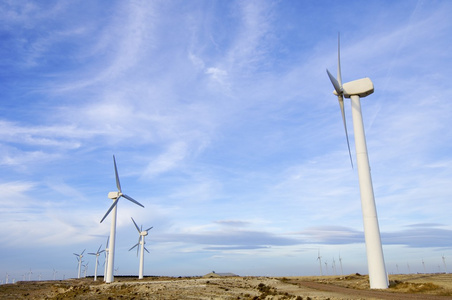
247	288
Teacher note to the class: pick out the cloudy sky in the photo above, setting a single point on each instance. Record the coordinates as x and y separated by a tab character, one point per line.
224	126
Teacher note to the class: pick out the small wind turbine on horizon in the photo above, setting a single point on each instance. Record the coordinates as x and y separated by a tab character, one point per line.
355	90
97	261
444	262
106	259
340	262
85	269
79	259
142	233
115	196
319	258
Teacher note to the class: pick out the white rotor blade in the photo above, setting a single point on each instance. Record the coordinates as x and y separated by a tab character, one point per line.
146	250
132	200
133	247
337	86
118	184
341	104
149	228
136	226
111	207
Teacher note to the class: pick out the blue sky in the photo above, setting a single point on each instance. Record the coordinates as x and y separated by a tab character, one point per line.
224	126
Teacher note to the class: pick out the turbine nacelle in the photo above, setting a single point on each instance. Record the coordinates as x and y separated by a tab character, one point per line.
361	87
114	195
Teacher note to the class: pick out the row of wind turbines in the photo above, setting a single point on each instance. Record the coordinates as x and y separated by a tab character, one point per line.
110	245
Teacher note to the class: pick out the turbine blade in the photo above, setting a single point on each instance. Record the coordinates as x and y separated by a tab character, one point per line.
99	249
133	247
108	239
118	184
92	253
82	252
341	104
146	250
136	226
337	86
149	228
111	207
132	200
339	77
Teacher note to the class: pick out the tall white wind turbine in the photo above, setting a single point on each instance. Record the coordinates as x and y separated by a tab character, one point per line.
97	261
115	197
355	90
142	233
79	258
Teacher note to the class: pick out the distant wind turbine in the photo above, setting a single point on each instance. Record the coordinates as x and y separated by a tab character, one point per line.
54	273
115	196
444	262
106	259
340	261
142	233
355	90
319	258
85	269
79	259
334	266
326	268
97	261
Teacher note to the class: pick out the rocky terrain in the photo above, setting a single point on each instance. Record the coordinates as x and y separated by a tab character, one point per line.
412	286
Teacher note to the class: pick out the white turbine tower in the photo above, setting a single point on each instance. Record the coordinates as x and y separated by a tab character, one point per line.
97	261
79	258
115	197
355	90
142	233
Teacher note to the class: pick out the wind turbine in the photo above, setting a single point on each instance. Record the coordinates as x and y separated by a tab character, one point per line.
97	261
106	259
142	233
319	258
444	262
355	90
115	196
340	261
79	258
54	273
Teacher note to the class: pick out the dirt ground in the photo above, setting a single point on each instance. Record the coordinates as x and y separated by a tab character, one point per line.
412	286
